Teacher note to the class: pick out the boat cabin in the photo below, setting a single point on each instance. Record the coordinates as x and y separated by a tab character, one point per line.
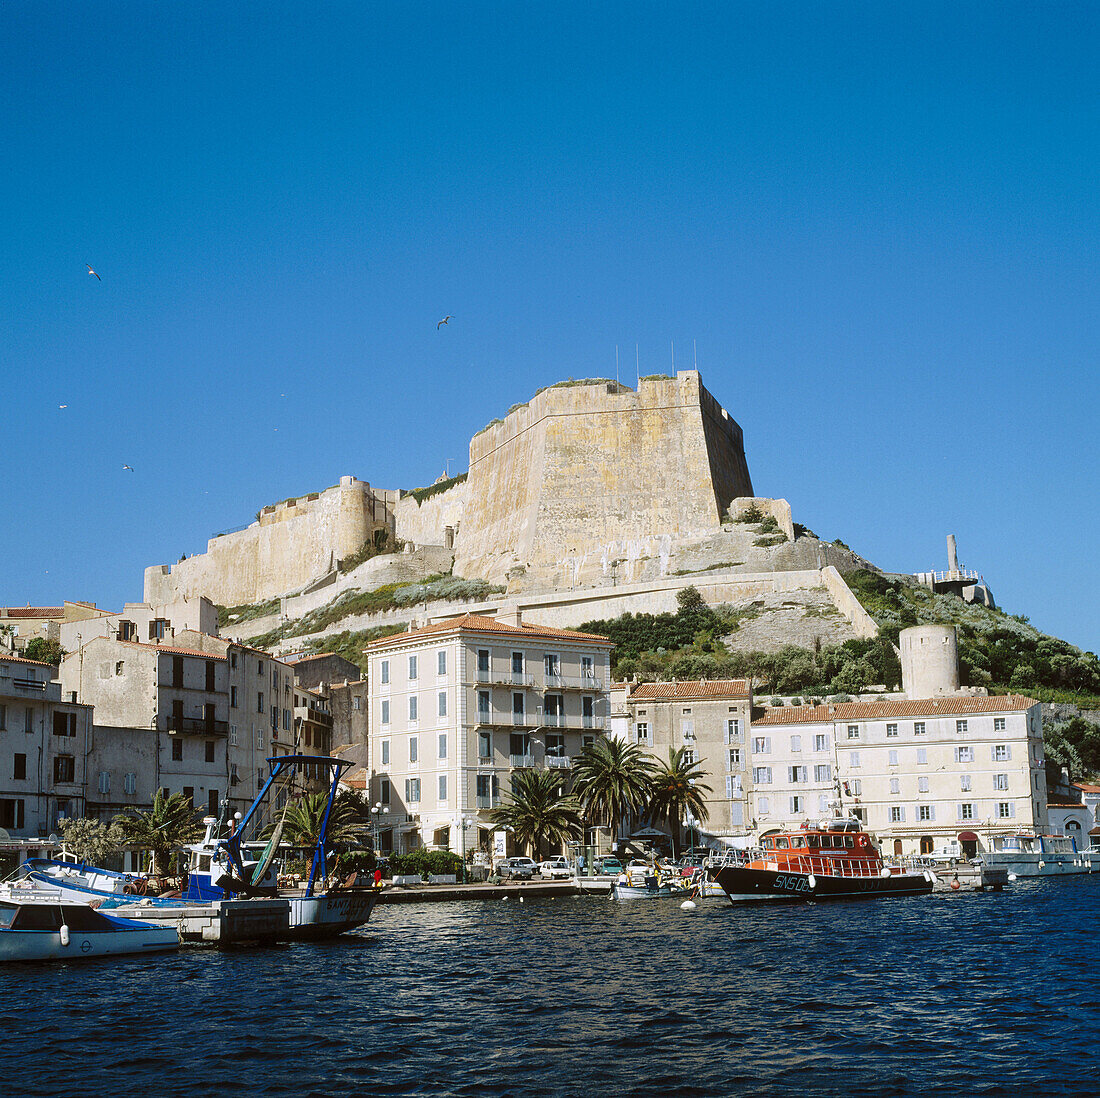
822	845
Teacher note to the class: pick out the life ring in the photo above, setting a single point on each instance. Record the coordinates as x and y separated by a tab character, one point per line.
863	840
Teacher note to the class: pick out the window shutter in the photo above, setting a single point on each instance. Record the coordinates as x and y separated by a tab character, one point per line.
1008	751
932	812
729	785
903	815
1012	809
768	745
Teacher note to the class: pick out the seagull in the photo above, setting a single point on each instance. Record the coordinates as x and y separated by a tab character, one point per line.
91	272
129	467
62	406
437	327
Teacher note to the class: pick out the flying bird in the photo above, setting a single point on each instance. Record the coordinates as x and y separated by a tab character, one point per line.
91	272
128	467
437	327
62	406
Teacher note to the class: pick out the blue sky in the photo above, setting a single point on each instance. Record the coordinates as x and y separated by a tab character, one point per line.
876	223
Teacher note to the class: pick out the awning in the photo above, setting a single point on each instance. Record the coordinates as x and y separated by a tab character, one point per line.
967	837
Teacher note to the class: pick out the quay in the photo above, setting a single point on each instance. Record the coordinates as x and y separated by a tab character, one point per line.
404	894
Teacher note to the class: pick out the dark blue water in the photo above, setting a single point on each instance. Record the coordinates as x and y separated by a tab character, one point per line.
953	994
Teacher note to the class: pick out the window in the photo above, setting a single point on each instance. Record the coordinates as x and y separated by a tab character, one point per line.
414	749
550	664
735	758
922	756
823	772
64	768
891	730
441	662
483	661
918	728
1006	810
412	790
443	745
385	746
260	701
232	735
64	724
442	796
441	703
960	727
413	700
964	783
641	732
517	664
28	719
821	742
555	745
177	668
895	785
922	785
484	790
964	754
798	804
897	814
966	811
853	760
763	805
412	667
853	731
761	775
103	782
357	702
19	769
517	705
233	660
209	751
233	697
259	739
384	791
484	745
857	788
11	813
3	717
1001	752
1000	781
761	745
733	785
796	774
733	731
926	813
586	668
483	705
384	671
796	743
177	750
687	727
286	718
998	724
892	758
688	757
129	784
385	710
119	666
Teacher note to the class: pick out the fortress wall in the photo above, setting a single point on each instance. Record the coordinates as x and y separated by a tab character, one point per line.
585	466
426	523
291	543
779	509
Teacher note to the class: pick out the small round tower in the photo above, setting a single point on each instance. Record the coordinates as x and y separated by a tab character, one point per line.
929	661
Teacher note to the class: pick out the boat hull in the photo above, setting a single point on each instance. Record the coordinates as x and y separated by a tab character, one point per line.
43	945
1041	864
743	884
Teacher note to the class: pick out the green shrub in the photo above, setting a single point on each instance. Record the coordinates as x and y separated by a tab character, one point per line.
422	494
751	516
770	540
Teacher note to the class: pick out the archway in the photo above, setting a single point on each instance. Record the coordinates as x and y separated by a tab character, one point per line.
927	845
898	848
969	842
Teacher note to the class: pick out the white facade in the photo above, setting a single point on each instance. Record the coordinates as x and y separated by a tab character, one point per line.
921	774
457	708
142	621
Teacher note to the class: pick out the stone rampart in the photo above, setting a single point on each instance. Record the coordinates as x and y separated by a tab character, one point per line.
585	465
427	523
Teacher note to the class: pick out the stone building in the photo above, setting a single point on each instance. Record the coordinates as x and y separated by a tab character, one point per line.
339	682
25	623
458	708
44	738
709	720
142	621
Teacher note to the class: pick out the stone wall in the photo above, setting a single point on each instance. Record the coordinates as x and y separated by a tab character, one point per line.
290	544
426	523
581	466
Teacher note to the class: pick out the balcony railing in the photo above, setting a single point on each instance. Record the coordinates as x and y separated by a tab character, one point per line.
521	760
571	720
506	678
573	682
505	718
558	762
487	802
28	684
196	726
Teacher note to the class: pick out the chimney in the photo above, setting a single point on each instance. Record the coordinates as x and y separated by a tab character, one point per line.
510	615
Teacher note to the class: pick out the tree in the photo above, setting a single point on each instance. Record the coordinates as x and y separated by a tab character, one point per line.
677	789
163	830
91	841
45	651
538	810
612	778
305	816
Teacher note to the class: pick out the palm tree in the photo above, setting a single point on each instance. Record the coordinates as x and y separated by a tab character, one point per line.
538	810
305	816
163	830
612	778
677	789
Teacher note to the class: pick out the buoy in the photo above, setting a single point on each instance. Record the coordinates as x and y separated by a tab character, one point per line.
1012	876
955	884
521	899
688	905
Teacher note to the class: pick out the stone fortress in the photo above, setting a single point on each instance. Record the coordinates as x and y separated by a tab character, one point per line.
589	500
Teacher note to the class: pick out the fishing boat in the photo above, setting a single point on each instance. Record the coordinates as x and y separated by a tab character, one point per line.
45	928
1026	854
644	882
832	859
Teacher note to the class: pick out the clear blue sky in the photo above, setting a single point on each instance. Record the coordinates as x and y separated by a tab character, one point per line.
877	222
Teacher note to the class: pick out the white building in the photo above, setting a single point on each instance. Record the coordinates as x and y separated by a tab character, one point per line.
142	621
920	773
458	707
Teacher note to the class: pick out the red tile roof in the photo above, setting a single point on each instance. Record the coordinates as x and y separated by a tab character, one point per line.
703	688
33	611
1065	804
479	623
1085	788
21	659
878	710
163	648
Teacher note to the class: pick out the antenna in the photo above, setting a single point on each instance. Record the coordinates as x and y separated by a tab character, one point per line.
695	353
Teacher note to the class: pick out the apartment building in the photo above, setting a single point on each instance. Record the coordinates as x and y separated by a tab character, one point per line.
142	621
709	720
456	709
920	773
43	749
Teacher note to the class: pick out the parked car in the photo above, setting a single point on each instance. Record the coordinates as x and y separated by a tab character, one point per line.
555	868
609	866
517	869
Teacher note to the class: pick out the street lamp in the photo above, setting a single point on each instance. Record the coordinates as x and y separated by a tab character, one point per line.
463	822
375	811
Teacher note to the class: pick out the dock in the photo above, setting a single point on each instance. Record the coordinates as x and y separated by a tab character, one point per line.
404	894
967	877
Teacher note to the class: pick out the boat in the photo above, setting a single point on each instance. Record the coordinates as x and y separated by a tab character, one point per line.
832	859
644	882
48	928
1027	854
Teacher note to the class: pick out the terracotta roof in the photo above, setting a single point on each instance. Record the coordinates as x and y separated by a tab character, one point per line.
355	779
1065	804
879	710
700	688
479	623
34	611
22	659
1086	788
163	648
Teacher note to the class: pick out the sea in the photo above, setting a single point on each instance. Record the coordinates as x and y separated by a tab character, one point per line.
959	994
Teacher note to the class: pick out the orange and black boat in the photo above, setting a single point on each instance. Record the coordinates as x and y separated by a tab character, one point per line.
833	859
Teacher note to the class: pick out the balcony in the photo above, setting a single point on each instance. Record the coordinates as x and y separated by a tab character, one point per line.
558	762
571	720
518	761
573	682
505	678
505	718
195	726
29	684
487	802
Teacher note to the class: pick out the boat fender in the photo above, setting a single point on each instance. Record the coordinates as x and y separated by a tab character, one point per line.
688	905
1042	865
884	872
955	884
1012	876
811	880
64	934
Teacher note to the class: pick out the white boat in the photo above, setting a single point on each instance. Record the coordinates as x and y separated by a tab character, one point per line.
1026	854
45	928
637	883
